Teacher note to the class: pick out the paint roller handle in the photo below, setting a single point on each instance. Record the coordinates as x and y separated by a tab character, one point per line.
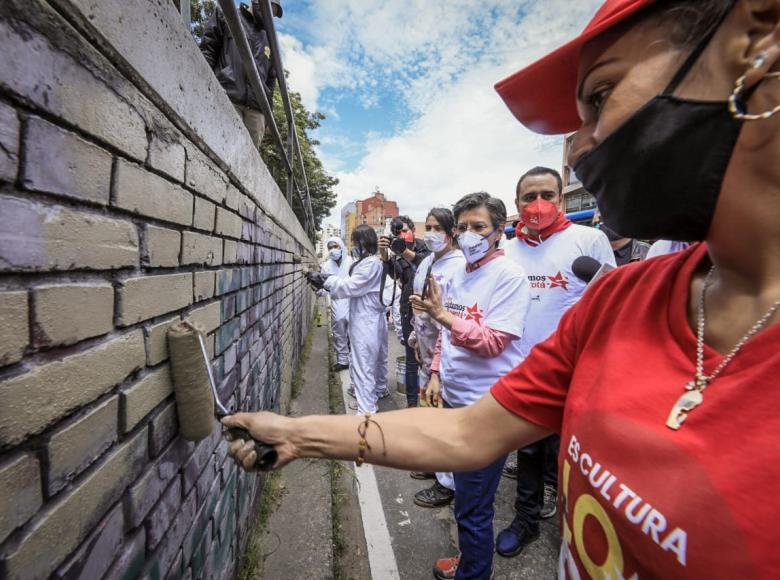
266	454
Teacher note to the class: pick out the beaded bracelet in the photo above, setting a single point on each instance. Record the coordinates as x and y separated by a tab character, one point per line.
363	443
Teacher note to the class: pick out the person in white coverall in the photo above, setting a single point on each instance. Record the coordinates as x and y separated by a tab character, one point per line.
338	264
443	263
368	331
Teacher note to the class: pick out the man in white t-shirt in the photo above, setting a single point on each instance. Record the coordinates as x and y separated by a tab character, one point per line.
546	245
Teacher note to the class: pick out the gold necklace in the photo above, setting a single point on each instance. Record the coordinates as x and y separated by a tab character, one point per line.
694	391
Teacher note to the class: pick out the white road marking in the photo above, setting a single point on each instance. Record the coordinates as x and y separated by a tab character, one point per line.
381	557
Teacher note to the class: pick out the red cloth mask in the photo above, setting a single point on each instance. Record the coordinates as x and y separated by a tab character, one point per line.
539	214
407	236
542	216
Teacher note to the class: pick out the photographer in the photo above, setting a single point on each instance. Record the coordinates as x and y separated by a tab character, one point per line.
402	266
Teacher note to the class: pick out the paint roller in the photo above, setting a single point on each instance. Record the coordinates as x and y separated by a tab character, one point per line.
197	399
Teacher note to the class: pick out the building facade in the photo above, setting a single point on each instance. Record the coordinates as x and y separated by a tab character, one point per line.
578	204
375	211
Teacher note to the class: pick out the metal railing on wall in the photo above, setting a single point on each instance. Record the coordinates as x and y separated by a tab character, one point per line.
292	153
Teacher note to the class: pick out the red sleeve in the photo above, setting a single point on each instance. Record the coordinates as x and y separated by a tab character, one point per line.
481	340
536	389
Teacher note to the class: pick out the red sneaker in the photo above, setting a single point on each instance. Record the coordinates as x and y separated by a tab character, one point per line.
446	568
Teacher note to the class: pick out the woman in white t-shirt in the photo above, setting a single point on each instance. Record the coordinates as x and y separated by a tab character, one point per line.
481	311
444	261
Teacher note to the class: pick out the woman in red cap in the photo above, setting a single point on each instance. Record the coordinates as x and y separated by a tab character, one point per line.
663	380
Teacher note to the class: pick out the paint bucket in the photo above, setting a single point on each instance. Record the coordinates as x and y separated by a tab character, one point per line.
400	374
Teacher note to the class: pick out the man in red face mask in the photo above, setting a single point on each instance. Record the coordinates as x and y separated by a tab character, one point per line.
546	245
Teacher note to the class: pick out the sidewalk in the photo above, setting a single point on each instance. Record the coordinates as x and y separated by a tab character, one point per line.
297	542
380	533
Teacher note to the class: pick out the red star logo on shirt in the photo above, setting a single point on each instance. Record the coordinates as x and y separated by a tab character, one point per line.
473	313
558	281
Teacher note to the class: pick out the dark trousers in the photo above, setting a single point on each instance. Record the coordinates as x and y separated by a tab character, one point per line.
474	494
537	465
412	386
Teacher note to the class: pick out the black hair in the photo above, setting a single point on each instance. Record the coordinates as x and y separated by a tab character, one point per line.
444	217
495	206
686	21
397	224
364	238
541	171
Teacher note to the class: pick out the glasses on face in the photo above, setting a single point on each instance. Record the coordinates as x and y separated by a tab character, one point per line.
478	228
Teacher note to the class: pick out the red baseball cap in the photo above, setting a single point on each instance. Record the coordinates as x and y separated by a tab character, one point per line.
543	95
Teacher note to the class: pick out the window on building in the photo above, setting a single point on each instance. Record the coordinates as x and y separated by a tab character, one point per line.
573	202
588	201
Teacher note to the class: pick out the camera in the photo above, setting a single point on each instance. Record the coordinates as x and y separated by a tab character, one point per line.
397	242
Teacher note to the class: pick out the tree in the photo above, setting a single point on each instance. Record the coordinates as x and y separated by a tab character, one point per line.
200	12
321	184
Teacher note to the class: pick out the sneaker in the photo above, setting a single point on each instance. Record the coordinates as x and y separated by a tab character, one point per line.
511	541
384	394
550	506
422	475
510	467
351	392
340	367
353	405
446	568
435	496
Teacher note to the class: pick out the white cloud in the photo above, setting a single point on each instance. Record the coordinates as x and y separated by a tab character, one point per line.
441	59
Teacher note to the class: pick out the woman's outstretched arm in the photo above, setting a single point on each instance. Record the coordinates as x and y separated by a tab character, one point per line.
413	439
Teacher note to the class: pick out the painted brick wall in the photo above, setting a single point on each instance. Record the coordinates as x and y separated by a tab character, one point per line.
121	212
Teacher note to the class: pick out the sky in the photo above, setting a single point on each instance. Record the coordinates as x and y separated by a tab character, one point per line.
407	90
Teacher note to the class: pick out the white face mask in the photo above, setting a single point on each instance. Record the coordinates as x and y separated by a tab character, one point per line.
335	255
474	246
435	241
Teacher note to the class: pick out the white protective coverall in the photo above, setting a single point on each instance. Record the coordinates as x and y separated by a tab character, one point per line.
426	330
368	331
339	307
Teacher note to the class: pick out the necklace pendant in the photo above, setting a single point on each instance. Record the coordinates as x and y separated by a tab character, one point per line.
684	405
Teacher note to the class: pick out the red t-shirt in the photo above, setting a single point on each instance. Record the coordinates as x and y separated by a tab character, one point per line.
640	500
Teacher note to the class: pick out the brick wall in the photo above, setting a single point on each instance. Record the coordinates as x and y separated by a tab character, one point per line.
121	212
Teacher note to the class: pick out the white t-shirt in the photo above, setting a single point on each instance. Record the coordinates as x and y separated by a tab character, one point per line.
664	247
497	296
554	287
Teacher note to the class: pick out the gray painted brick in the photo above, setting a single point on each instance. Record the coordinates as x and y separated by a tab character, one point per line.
162	429
60	162
95	555
142	496
9	142
130	561
160	518
164	557
27	55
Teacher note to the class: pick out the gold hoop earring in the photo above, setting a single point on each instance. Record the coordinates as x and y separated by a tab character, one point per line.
736	109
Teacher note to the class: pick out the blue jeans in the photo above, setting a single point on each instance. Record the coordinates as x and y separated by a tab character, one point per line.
474	493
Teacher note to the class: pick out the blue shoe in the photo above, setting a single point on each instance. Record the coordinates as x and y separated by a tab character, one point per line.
511	541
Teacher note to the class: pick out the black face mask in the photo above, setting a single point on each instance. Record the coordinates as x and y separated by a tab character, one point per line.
659	175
